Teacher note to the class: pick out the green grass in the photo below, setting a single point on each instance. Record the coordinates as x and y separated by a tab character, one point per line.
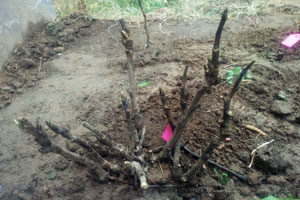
176	9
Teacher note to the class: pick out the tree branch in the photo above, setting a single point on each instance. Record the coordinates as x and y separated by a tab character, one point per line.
212	69
182	123
145	23
138	171
47	146
128	44
68	135
223	129
132	136
166	108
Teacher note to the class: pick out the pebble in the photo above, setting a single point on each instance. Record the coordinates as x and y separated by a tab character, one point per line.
253	179
6	88
19	91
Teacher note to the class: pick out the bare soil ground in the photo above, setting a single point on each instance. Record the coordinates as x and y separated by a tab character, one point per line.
74	71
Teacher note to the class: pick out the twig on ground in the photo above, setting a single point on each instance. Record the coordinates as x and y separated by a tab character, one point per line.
47	146
253	152
223	129
160	28
145	24
112	36
41	64
108	141
256	129
67	134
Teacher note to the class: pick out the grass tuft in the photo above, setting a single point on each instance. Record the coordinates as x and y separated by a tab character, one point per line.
176	9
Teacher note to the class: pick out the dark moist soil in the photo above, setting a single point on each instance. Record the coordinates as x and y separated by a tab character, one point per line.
275	169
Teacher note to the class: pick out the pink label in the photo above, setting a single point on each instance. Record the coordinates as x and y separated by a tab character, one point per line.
291	40
167	134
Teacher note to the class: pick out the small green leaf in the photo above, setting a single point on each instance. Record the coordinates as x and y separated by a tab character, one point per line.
229	82
224	178
236	71
282	95
143	84
270	197
216	171
248	76
229	73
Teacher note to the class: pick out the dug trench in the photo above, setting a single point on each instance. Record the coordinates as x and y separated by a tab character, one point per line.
83	84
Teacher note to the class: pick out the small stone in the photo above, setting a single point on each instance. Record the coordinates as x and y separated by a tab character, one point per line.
60	165
19	91
16	84
6	97
271	161
282	108
6	88
243	156
245	191
277	180
263	192
62	34
235	196
27	63
209	182
69	31
254	178
221	194
72	146
58	49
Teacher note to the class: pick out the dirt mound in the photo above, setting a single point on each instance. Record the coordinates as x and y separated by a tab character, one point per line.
28	62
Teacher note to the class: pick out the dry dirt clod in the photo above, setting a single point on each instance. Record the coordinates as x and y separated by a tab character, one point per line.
254	178
282	108
27	63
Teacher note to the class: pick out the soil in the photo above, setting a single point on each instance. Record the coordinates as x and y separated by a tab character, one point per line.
74	71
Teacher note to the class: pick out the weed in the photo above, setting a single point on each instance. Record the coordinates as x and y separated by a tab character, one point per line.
186	9
144	84
281	95
270	197
223	177
231	75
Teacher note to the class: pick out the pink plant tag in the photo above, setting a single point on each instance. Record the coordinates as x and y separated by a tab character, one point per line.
291	40
167	134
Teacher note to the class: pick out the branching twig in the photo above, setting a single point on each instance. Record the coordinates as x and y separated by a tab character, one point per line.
184	97
223	129
138	171
132	136
166	108
128	44
145	23
67	134
47	146
182	123
184	94
212	69
108	141
142	138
